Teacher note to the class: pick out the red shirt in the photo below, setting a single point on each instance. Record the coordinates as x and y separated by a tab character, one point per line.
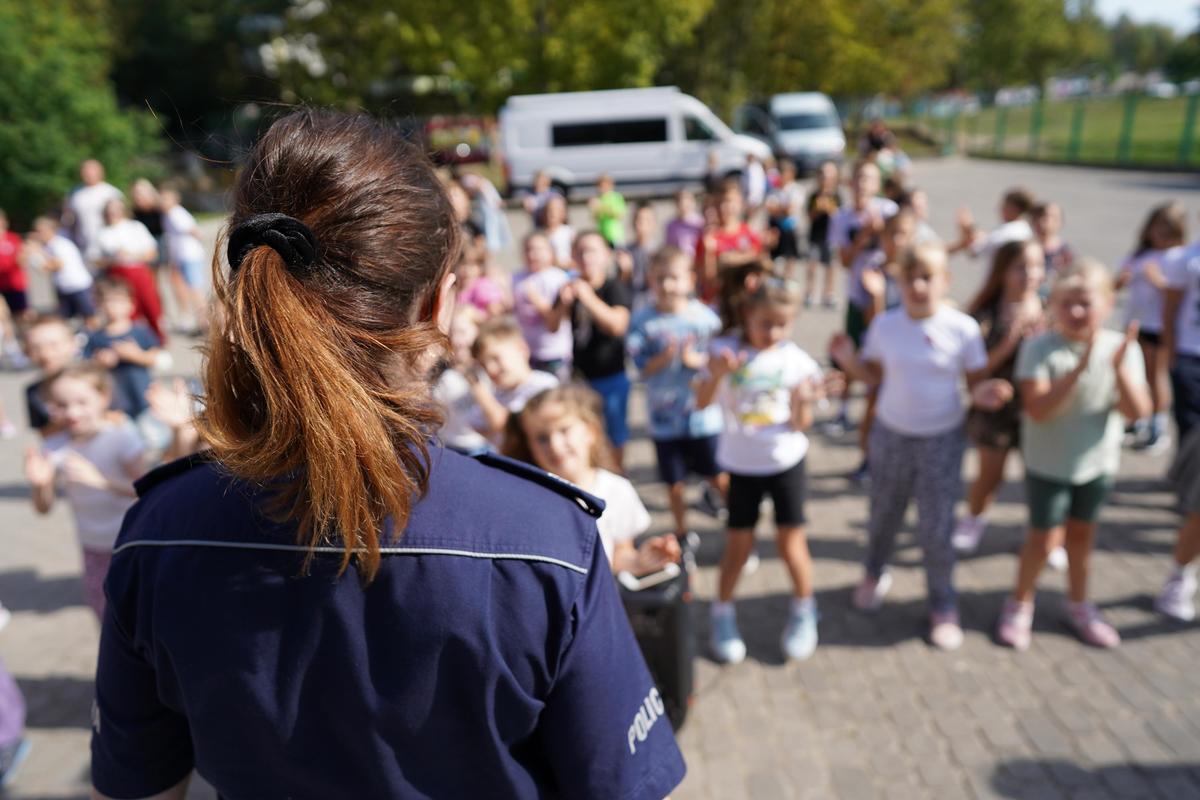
12	277
741	240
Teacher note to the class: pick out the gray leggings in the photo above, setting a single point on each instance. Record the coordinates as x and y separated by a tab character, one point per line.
929	467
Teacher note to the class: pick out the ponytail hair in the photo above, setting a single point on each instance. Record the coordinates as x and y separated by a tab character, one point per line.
316	379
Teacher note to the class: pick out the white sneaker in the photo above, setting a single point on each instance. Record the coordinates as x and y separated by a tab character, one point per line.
869	594
1175	599
967	534
727	644
752	564
1058	559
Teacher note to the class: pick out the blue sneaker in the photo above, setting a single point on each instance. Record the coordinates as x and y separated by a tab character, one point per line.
727	644
799	640
11	757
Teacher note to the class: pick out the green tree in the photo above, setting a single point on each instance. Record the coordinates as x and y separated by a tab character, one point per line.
60	108
1016	41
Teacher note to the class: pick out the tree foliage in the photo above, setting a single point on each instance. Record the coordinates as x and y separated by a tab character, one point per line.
60	108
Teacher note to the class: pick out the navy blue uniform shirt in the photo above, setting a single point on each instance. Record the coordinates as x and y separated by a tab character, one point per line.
489	658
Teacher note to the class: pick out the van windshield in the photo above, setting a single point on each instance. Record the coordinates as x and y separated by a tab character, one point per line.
806	121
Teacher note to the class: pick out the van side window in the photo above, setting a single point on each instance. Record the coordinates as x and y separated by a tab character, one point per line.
626	131
696	131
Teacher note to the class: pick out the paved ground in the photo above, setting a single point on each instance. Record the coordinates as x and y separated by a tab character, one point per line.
876	712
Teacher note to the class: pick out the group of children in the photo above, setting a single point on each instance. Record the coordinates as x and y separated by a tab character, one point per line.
542	371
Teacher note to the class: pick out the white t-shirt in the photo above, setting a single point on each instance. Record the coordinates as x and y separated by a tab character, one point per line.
127	243
1183	272
453	393
923	364
180	227
561	239
624	515
72	275
116	451
756	400
1016	231
544	345
513	399
86	205
1145	299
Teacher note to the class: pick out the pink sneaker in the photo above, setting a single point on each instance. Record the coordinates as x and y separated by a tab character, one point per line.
1092	629
869	594
944	631
1016	624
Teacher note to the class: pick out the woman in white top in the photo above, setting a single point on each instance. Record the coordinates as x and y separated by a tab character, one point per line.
125	250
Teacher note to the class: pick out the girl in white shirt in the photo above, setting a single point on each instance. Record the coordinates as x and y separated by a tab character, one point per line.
1144	274
94	460
126	249
561	430
918	355
766	386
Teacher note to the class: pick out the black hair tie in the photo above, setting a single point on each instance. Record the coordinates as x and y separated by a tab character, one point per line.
286	235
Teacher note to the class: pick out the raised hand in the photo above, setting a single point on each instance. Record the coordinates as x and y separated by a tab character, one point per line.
725	362
106	357
657	552
80	471
691	357
833	384
1131	335
874	283
992	395
39	469
841	348
172	404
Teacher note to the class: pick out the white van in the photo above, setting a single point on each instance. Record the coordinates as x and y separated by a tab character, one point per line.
647	139
803	126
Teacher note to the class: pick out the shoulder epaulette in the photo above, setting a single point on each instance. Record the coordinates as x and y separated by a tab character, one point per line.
590	503
169	470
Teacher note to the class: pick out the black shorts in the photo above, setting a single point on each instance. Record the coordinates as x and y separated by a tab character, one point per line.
679	457
819	250
788	245
16	299
1149	338
787	490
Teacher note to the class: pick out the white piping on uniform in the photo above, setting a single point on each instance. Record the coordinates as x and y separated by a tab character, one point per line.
419	551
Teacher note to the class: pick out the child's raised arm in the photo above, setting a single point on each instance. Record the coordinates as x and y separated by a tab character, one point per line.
841	347
1133	395
39	471
495	415
719	365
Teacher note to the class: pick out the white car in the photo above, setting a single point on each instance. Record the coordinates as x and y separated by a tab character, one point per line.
652	140
803	126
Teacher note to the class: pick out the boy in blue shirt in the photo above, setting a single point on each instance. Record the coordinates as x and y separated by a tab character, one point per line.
126	348
668	342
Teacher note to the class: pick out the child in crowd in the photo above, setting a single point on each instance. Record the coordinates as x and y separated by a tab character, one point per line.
125	250
684	231
1160	241
853	236
784	207
765	385
558	232
51	250
1077	381
501	352
542	317
918	355
634	260
453	388
188	259
174	406
13	283
126	348
729	240
560	431
51	346
608	210
95	459
1015	205
1009	310
535	201
916	200
1181	344
1047	221
823	204
479	295
668	342
599	304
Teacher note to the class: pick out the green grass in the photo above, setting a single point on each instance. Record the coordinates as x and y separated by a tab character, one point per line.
1158	126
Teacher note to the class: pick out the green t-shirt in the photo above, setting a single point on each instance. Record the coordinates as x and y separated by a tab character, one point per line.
610	217
1082	441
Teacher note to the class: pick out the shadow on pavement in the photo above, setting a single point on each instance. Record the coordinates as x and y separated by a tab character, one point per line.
57	701
14	491
1021	778
25	590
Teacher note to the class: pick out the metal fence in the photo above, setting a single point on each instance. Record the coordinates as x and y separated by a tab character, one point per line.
1132	129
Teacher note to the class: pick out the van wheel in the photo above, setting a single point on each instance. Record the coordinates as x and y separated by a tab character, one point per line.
562	189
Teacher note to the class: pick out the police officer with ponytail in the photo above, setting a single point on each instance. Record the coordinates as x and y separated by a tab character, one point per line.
327	603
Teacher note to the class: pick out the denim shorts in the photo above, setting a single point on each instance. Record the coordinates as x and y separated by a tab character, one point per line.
614	398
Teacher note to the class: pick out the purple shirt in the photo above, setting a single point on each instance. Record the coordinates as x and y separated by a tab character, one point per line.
685	233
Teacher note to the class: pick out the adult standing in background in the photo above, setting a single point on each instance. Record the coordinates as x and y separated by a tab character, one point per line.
124	249
83	212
